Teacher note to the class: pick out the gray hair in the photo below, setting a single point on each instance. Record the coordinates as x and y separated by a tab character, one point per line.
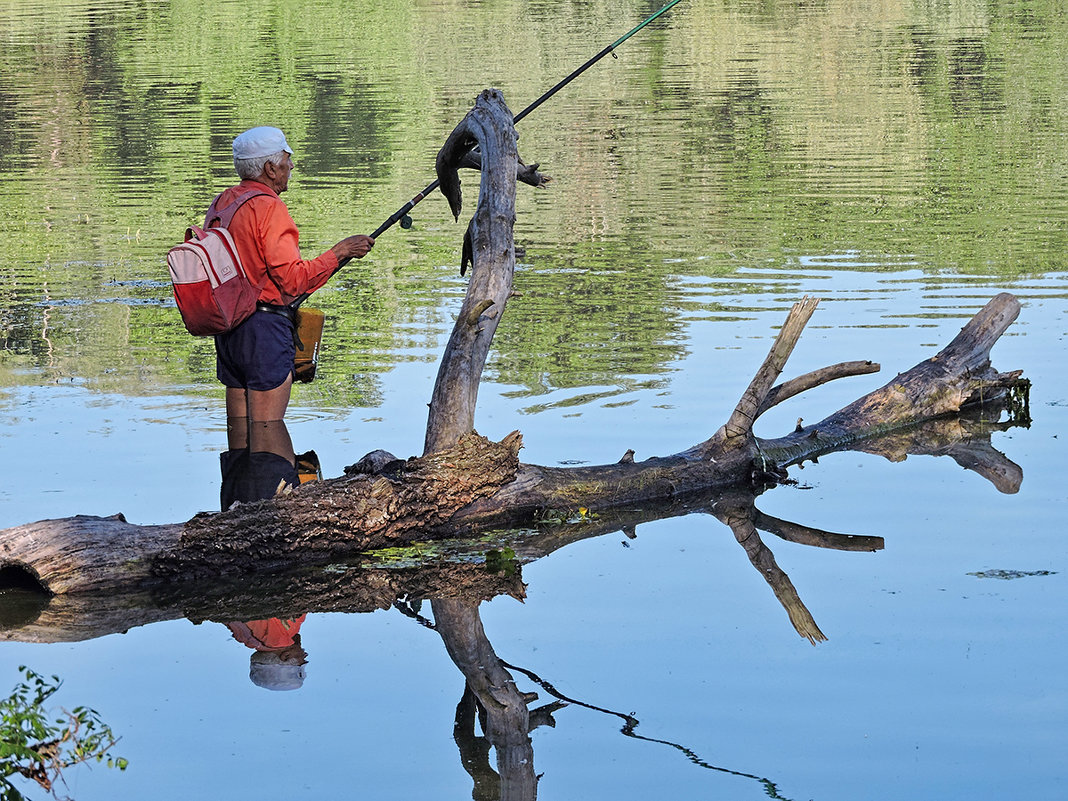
247	169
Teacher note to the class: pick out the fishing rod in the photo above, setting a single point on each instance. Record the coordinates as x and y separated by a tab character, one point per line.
401	214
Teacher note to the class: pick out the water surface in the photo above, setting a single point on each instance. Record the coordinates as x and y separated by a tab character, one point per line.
903	162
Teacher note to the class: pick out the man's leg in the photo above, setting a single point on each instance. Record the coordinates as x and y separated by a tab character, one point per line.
234	461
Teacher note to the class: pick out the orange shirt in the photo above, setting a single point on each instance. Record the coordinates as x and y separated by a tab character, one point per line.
267	241
272	634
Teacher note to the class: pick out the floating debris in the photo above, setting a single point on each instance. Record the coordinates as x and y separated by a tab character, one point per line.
1012	574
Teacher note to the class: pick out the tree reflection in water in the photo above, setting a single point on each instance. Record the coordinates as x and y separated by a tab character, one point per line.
491	696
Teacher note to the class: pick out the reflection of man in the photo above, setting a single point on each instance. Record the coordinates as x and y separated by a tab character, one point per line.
266	467
251	475
277	661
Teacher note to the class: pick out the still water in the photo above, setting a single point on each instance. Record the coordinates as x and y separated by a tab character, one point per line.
904	162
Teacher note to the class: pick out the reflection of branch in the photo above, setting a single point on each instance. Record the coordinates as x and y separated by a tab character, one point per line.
991	464
764	561
475	750
630	723
965	439
804	535
737	511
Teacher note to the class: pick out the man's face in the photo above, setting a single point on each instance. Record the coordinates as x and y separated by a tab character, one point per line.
277	175
283	171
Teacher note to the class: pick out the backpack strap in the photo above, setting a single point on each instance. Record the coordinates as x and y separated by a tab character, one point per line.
221	218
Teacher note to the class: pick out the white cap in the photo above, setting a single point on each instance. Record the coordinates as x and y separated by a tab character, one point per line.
257	142
269	670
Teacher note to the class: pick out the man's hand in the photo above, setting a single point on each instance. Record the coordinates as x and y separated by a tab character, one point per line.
353	247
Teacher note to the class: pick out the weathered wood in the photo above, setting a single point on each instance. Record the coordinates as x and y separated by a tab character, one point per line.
461	570
84	552
525	173
956	378
816	378
357	513
319	522
740	424
491	245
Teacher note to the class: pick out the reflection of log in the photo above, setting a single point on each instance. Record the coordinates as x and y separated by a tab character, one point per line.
507	722
465	482
359	587
965	439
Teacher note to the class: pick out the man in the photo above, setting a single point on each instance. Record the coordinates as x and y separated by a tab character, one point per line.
255	360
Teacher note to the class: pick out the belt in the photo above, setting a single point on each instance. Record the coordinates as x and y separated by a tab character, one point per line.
284	311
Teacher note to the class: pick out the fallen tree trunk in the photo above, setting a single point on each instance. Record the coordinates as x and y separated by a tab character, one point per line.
464	482
475	569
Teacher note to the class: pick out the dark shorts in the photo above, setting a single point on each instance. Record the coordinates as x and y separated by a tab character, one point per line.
256	355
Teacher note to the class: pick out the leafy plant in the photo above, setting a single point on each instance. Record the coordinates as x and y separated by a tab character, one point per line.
38	744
